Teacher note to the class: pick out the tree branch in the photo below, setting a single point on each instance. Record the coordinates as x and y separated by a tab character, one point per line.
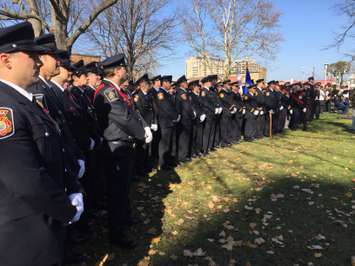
86	24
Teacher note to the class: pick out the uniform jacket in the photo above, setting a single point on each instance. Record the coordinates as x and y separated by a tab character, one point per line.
166	109
118	121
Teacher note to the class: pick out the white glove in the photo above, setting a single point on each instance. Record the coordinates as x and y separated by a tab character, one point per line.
202	118
92	144
148	135
271	111
194	114
291	111
220	110
304	110
78	202
216	111
154	127
234	110
261	112
178	118
281	107
300	97
243	112
82	168
256	112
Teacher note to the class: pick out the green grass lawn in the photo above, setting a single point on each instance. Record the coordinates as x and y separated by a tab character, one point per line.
284	201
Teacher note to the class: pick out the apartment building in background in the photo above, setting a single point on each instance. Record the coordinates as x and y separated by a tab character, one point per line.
196	68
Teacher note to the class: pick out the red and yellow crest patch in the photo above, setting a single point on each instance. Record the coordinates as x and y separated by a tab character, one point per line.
160	96
6	122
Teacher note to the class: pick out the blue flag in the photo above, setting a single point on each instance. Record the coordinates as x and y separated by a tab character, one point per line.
248	79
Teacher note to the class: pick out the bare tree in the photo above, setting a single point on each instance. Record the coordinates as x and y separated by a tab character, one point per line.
137	28
346	8
66	19
231	29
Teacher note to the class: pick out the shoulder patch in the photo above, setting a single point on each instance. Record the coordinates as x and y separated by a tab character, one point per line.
111	94
160	96
7	126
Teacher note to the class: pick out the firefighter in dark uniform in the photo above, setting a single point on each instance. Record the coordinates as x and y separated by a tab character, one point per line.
168	118
199	121
184	128
121	126
212	109
271	108
260	100
284	108
34	204
238	116
229	109
93	75
251	114
156	84
143	101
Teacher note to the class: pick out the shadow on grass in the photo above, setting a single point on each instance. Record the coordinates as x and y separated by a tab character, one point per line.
147	201
294	220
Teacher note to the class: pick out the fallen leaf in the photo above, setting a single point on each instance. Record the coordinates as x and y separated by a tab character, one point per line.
156	240
317	255
152	252
259	241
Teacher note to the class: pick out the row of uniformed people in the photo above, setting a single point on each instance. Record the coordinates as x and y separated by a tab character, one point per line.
191	119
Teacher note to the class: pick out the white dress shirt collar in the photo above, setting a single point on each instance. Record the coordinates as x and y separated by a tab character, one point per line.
20	90
113	83
58	85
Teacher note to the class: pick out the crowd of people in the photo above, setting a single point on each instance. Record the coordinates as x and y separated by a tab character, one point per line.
71	133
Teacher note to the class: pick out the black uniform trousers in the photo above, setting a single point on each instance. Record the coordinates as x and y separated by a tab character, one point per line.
184	137
225	129
119	184
237	121
250	126
166	146
197	138
260	120
282	120
208	135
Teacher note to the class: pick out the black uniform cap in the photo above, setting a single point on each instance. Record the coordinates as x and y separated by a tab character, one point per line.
311	78
168	78
114	61
226	81
142	78
18	38
79	68
155	78
259	80
94	67
67	65
181	80
206	79
194	83
63	54
48	42
213	77
272	82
